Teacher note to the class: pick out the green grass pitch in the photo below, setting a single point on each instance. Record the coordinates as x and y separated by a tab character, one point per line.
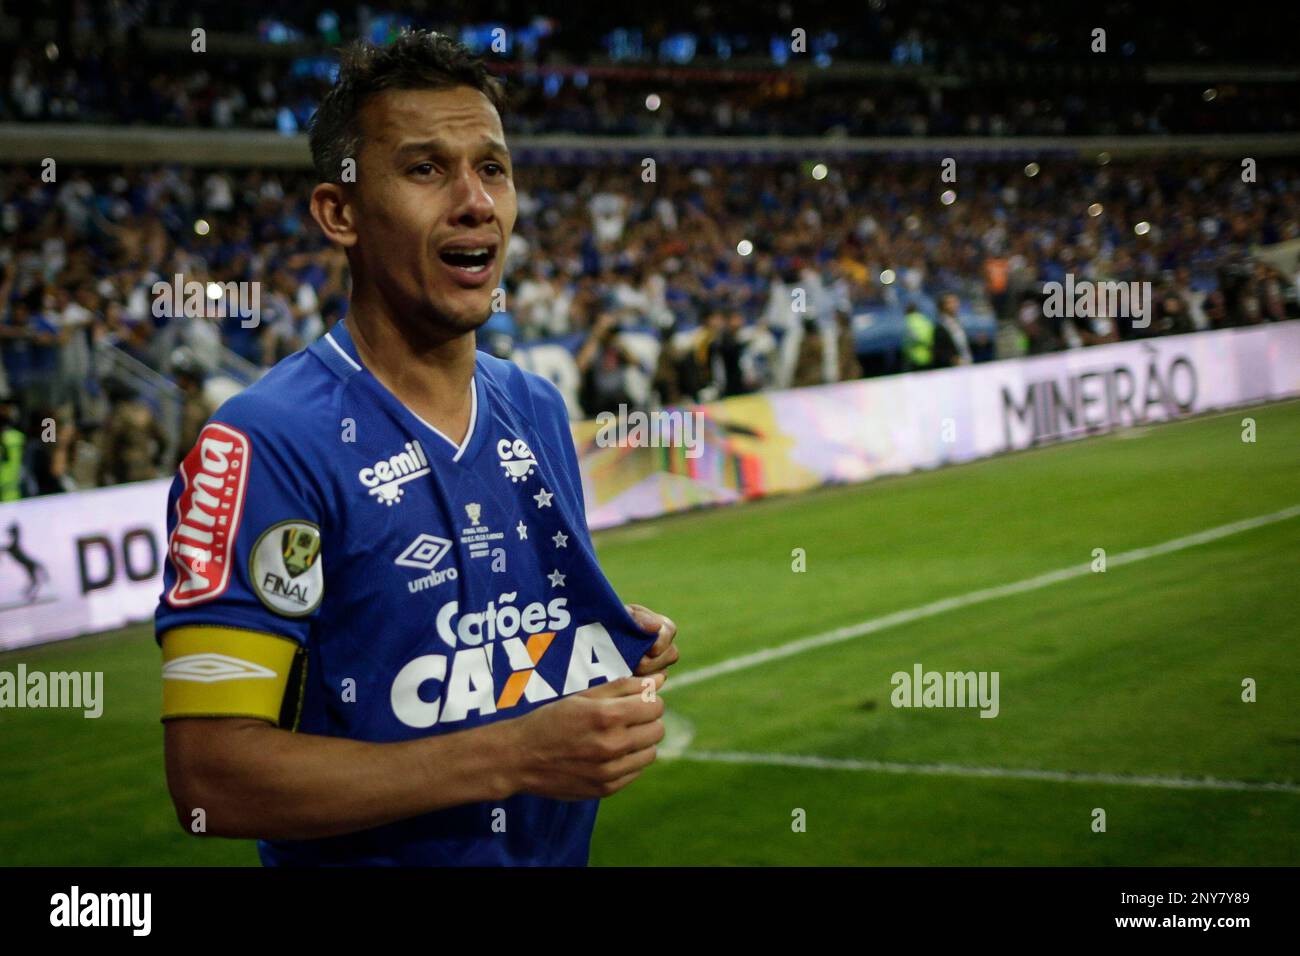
1136	672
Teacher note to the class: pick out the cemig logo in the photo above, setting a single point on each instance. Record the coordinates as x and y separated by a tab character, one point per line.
214	475
385	477
516	459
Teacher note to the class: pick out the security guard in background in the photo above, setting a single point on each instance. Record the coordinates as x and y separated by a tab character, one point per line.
918	350
12	441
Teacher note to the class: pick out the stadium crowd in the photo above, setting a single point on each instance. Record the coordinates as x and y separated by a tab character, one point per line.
601	261
115	87
913	32
1021	68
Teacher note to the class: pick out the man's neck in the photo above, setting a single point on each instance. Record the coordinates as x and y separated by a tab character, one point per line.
431	378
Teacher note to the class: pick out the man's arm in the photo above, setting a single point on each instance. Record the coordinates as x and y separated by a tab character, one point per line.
253	780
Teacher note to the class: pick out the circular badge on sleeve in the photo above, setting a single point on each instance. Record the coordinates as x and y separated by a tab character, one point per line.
286	569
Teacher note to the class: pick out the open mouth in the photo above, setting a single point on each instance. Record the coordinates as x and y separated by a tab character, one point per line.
471	261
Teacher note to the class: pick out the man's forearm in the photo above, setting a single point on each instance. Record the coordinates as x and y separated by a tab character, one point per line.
256	781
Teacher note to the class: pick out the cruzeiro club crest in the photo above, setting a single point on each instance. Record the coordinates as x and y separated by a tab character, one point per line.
300	546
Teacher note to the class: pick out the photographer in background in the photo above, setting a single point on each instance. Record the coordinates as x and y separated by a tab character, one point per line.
603	362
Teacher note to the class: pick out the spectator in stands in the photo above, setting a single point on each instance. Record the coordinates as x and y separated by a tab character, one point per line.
74	318
810	366
541	303
133	443
31	351
1194	299
848	366
1039	336
997	274
1171	316
603	362
1270	289
1081	331
666	384
291	317
760	354
196	409
47	457
725	350
951	347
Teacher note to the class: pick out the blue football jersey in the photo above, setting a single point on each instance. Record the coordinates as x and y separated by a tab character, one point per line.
432	587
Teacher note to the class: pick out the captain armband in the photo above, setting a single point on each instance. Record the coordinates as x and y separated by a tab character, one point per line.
213	671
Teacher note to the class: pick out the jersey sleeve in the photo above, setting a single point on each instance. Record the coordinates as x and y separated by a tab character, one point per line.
244	578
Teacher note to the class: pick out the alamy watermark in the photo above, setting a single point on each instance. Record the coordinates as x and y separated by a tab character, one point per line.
129	910
662	429
923	688
75	690
1085	299
208	300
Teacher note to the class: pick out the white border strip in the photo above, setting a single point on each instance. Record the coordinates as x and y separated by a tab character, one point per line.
346	357
473	404
991	773
469	433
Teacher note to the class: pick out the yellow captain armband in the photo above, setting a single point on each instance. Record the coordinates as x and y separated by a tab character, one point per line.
228	672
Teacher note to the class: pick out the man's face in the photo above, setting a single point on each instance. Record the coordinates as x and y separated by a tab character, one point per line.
434	189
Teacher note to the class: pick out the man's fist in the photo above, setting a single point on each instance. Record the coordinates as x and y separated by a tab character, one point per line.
591	744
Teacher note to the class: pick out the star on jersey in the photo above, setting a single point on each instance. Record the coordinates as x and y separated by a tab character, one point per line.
556	578
523	531
561	539
543	498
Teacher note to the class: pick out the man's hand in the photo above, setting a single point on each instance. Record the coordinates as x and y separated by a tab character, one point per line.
663	653
591	744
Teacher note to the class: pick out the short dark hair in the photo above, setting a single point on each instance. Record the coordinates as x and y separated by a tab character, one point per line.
415	60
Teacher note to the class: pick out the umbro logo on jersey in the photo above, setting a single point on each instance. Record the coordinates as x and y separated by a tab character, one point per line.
517	459
385	477
424	553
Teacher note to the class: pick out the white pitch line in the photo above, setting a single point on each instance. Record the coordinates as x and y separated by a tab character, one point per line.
848	633
994	773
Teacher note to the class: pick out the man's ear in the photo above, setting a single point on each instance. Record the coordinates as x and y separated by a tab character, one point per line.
331	207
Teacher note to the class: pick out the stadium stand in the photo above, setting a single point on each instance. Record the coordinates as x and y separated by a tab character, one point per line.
619	290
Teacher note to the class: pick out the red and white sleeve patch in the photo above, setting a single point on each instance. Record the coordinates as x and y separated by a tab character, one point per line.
202	545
